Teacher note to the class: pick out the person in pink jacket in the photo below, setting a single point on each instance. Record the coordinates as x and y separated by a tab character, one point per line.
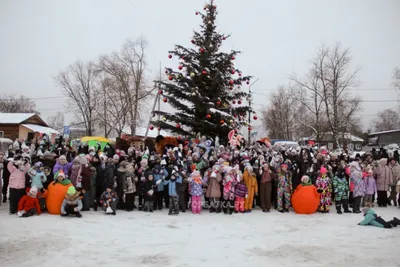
17	168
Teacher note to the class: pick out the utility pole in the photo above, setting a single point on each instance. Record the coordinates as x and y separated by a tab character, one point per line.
159	101
156	100
250	99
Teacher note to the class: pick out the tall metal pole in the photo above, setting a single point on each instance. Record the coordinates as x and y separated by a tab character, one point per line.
250	98
151	116
159	101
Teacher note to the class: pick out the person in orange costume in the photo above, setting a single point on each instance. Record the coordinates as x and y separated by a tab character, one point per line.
56	192
305	199
250	180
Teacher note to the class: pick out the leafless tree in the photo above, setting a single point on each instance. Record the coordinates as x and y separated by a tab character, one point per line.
329	81
112	111
17	104
280	118
386	120
78	83
57	121
127	69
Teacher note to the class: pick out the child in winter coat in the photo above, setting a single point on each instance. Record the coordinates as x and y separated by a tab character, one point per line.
284	189
17	168
341	190
109	200
196	191
38	178
159	173
72	204
228	194
149	196
359	188
371	218
250	180
370	187
29	204
241	193
129	187
324	187
173	185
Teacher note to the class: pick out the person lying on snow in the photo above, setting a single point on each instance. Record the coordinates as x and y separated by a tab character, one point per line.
72	204
371	218
29	204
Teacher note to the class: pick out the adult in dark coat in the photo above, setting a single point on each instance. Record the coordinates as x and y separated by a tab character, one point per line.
5	174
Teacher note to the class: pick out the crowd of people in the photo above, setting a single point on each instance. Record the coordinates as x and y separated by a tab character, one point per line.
200	174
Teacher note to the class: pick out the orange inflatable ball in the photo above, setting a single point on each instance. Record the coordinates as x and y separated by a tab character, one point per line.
56	192
305	199
55	197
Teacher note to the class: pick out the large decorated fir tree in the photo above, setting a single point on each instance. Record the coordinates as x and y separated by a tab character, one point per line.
205	90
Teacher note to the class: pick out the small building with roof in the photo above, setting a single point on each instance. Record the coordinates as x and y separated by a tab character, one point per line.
26	126
384	138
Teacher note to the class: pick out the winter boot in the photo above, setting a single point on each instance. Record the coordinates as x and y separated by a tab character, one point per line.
4	199
95	205
395	222
78	215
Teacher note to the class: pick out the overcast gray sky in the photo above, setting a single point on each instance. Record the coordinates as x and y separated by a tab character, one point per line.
39	38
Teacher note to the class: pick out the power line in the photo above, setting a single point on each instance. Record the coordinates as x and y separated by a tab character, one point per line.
34	98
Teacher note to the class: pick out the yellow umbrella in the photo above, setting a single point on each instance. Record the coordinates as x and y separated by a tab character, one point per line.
95	138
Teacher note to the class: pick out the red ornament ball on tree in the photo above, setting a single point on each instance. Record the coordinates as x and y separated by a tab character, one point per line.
223	38
178	125
197	13
233	71
166	71
240	74
248	82
202	50
160	91
250	129
218	103
180	67
240	102
255	117
221	121
193	41
231	82
208	116
169	56
234	102
151	127
233	57
170	78
214	6
165	100
204	72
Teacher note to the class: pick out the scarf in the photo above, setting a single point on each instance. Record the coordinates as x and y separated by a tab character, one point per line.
64	182
266	177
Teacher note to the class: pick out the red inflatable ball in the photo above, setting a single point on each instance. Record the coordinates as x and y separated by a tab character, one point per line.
305	199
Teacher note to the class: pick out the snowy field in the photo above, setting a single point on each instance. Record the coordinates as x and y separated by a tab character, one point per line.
144	239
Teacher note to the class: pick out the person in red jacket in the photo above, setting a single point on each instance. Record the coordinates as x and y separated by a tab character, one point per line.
29	204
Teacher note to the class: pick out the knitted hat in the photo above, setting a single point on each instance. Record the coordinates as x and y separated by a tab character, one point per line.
60	173
33	191
71	191
323	170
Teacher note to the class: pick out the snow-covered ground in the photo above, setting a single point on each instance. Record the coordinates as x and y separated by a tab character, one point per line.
144	239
